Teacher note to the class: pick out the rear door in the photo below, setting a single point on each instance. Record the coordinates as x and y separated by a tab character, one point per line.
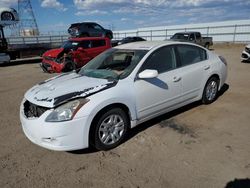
194	68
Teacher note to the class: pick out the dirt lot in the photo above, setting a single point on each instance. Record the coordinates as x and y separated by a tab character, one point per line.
196	146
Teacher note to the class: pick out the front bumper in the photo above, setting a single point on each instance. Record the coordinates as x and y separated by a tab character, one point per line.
60	136
51	66
245	56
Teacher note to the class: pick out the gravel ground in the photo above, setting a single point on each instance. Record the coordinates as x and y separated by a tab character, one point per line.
195	146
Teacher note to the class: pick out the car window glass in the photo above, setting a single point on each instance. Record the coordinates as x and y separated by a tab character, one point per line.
84	44
198	36
191	54
161	60
97	27
191	37
98	43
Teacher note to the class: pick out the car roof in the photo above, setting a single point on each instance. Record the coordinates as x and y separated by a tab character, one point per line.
188	32
79	23
145	45
86	38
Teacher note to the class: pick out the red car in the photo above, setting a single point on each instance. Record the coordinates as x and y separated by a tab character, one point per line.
74	53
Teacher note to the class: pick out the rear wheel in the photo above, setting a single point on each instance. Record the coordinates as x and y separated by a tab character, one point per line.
210	92
109	129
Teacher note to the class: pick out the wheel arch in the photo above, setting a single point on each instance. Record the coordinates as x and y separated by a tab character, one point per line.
124	107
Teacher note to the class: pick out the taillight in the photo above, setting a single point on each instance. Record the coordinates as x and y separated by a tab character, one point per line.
223	60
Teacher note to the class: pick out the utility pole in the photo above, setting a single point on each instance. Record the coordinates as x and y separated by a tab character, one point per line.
27	25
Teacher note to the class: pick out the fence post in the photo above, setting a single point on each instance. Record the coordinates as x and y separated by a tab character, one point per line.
151	34
166	33
235	28
207	31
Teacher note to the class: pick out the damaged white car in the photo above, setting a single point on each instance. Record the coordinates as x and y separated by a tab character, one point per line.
119	89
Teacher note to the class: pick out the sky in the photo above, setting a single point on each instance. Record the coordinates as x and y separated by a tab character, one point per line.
57	15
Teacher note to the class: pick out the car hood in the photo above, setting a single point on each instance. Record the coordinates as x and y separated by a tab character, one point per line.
53	53
65	87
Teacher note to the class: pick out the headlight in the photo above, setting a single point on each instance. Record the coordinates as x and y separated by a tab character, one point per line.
66	111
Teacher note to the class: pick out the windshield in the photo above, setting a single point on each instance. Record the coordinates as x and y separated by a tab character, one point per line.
68	45
180	36
113	64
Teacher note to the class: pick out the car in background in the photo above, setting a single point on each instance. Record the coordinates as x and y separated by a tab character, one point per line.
130	39
4	58
119	89
245	56
8	16
193	37
73	54
89	29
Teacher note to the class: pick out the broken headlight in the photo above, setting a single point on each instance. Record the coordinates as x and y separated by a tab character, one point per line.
66	111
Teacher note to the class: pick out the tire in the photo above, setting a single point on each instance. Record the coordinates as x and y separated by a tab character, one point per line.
7	16
69	67
109	129
210	92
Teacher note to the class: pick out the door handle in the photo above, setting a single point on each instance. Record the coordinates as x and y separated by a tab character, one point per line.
176	79
206	67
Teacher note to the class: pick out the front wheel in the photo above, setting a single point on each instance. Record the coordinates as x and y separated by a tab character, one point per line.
110	129
70	66
210	92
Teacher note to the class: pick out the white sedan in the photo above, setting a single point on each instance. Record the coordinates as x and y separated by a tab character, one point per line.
119	89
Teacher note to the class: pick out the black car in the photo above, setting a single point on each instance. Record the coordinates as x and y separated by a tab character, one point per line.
130	39
89	29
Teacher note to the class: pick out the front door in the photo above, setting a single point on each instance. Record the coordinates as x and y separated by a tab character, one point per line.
158	94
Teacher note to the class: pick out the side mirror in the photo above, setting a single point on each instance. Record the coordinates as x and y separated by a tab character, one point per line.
148	73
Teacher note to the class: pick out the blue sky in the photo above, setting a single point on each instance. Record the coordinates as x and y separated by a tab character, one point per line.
57	15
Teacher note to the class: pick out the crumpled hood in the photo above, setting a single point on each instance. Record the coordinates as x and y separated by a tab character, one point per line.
65	87
53	53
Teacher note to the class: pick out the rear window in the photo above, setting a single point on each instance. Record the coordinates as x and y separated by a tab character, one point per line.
98	43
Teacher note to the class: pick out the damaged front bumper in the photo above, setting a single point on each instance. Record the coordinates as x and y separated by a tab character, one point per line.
59	136
46	67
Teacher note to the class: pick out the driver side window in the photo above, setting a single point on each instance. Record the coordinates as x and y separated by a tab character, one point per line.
161	60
